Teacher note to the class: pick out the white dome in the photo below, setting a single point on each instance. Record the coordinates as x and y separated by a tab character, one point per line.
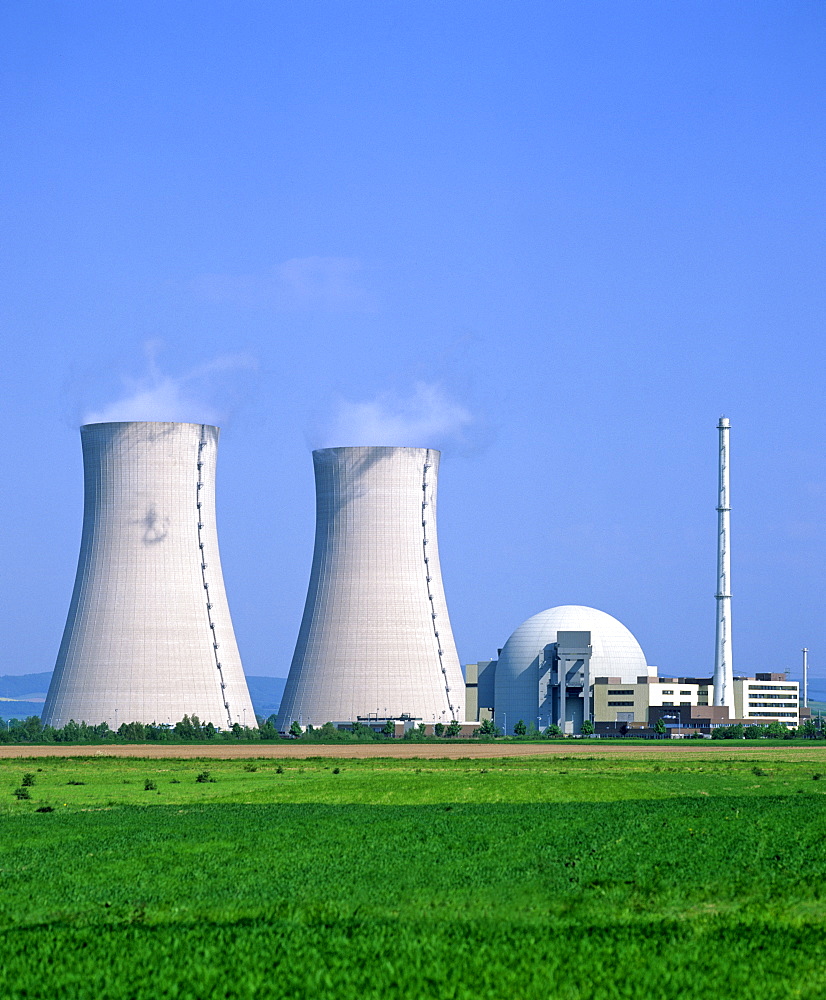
616	653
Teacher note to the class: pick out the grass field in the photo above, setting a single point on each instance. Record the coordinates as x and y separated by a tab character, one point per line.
570	877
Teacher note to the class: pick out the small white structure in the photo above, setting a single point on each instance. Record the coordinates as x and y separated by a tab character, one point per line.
375	639
149	636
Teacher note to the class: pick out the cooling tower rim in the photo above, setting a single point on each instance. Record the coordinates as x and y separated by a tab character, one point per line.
376	447
147	423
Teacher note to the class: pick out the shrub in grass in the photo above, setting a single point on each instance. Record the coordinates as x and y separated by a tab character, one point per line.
22	793
44	809
250	767
83	782
28	780
204	777
817	776
279	770
149	785
336	770
759	772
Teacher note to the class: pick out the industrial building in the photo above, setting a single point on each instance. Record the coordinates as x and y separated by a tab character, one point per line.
149	636
375	639
573	663
545	671
685	704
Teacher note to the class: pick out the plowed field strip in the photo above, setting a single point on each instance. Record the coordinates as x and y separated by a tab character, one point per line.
408	751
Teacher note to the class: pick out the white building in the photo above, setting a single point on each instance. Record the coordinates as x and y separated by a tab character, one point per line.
149	636
546	670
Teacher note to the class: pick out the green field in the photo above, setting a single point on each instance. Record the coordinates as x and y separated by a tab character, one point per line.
569	878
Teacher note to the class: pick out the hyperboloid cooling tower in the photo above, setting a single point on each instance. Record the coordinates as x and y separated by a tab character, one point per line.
149	636
375	638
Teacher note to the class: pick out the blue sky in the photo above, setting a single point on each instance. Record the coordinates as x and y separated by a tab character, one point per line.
579	231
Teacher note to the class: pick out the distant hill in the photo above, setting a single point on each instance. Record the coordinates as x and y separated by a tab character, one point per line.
22	695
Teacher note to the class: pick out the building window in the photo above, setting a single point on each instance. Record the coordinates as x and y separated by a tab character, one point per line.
772	715
685	692
620	704
664	691
684	703
668	704
774	704
772	687
620	692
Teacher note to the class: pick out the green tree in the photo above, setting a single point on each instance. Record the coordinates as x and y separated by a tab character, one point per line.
520	728
453	728
553	731
488	728
808	730
659	727
587	728
132	732
775	730
295	729
439	729
389	728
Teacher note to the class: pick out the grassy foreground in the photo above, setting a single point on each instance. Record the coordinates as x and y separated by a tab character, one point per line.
569	878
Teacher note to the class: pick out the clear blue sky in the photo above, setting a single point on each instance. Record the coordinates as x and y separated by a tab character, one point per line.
594	227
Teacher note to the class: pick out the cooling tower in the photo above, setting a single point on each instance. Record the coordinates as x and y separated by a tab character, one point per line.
149	636
375	638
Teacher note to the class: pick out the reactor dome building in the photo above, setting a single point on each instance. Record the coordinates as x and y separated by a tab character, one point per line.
149	636
547	667
375	639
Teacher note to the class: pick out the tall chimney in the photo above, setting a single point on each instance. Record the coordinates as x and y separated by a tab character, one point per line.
375	639
149	636
723	672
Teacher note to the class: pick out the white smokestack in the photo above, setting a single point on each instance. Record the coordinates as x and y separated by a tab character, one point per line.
723	671
375	638
149	636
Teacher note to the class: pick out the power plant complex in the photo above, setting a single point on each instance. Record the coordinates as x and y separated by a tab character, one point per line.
149	636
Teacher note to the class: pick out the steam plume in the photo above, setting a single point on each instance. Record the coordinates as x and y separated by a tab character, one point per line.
424	418
185	398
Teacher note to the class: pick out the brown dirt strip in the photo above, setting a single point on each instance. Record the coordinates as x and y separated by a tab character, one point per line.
408	751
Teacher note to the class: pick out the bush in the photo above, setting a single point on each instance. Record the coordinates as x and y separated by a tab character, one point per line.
520	729
203	777
295	729
250	767
587	728
553	731
149	785
22	793
28	780
336	770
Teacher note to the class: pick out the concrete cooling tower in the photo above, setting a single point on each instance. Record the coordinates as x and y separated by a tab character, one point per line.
375	638
149	636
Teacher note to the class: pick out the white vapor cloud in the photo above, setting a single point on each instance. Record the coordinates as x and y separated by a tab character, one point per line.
326	283
422	419
187	398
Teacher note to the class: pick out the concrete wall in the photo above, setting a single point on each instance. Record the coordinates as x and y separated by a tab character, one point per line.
375	637
149	603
